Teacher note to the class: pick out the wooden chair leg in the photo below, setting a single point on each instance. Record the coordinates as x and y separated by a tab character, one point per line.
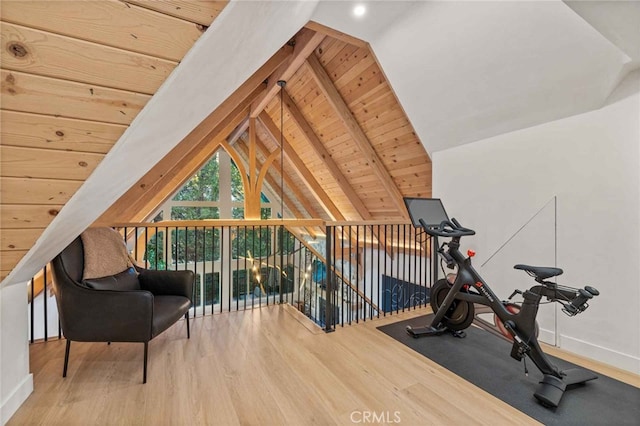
187	318
144	372
66	358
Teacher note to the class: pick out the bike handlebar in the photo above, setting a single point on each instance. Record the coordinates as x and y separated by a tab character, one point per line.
447	228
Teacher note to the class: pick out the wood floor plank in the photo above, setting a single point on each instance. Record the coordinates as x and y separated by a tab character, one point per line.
258	367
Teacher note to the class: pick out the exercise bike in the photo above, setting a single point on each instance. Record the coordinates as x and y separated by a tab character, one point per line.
453	302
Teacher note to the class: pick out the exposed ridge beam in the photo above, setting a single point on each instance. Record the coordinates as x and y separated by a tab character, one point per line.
306	42
357	134
302	169
325	156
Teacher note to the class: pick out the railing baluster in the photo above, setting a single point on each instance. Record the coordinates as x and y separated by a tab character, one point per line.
328	314
166	255
213	269
155	249
44	298
245	281
357	275
404	258
146	242
373	268
135	245
32	310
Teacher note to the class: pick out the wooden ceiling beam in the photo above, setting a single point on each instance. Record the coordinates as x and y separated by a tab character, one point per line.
188	167
325	156
201	135
305	43
322	152
303	171
174	174
357	134
174	178
297	192
244	149
275	187
238	131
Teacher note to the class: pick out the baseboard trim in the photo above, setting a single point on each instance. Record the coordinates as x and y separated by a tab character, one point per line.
19	395
608	356
547	336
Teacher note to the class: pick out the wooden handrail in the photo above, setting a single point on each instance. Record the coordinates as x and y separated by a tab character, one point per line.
289	223
223	222
263	222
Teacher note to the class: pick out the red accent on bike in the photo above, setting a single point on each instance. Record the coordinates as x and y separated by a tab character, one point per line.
471	253
478	284
465	286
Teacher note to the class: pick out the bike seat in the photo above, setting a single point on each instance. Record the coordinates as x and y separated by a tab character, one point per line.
540	272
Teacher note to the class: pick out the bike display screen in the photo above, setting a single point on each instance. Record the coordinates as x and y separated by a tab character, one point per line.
430	210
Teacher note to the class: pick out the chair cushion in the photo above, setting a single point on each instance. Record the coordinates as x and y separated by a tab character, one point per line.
166	311
122	281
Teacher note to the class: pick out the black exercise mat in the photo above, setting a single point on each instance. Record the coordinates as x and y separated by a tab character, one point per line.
483	359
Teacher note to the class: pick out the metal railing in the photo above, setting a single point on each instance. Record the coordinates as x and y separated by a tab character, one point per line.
239	265
377	269
346	273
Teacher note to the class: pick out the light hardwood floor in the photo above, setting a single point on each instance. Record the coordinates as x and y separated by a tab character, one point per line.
261	367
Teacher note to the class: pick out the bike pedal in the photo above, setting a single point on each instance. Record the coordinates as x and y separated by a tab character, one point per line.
459	334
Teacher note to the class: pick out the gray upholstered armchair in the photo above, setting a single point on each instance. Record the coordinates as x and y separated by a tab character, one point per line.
134	305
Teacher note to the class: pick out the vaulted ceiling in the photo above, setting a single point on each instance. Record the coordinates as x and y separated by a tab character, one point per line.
342	131
75	74
366	99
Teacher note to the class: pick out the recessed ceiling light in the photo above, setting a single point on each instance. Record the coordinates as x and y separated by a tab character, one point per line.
359	10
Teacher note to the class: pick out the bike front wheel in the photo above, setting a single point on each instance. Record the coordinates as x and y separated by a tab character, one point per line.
460	314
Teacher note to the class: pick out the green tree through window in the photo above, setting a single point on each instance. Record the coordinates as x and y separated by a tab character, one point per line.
190	245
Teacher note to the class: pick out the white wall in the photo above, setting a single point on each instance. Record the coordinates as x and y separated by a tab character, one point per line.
16	383
589	166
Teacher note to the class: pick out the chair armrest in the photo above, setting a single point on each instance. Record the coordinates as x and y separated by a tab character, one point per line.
108	315
167	283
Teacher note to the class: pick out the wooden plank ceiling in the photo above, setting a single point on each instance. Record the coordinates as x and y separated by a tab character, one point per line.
350	152
74	75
